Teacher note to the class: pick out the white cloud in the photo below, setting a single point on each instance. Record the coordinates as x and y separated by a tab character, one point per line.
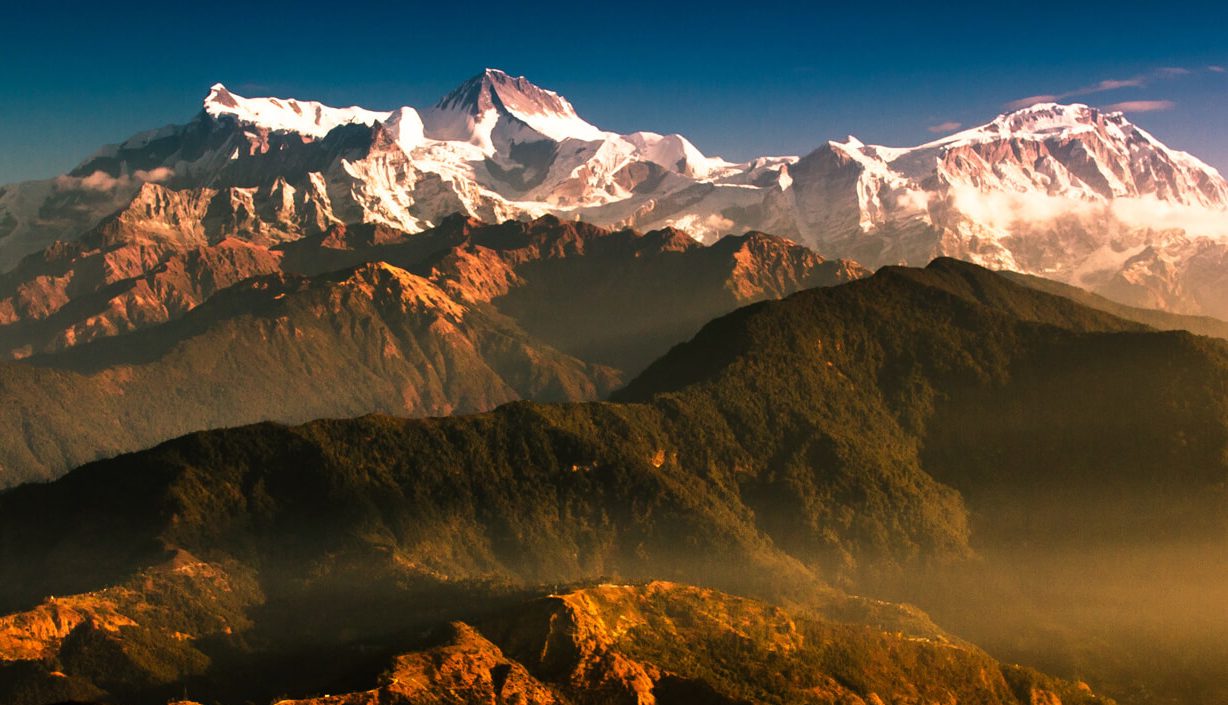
1003	211
1153	213
156	175
99	181
1141	106
1031	100
1108	84
102	181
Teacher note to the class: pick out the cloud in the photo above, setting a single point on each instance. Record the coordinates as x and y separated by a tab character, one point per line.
99	181
1007	211
102	181
1150	212
1031	100
1108	84
1216	69
156	175
948	126
1141	106
707	228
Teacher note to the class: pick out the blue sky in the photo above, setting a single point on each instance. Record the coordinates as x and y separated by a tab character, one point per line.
739	80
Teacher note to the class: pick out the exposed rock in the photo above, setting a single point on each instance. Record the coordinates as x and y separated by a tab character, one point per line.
668	644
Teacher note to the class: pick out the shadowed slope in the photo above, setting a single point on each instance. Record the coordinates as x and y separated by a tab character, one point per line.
789	445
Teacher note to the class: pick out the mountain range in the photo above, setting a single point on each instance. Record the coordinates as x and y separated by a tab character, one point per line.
482	403
119	351
878	437
1068	192
361	319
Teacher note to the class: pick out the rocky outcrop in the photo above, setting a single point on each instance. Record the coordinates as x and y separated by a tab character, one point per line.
141	272
465	669
670	644
60	302
140	633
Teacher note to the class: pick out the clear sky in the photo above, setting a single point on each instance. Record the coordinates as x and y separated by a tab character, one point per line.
752	78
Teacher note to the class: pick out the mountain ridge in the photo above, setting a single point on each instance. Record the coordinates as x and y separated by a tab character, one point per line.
460	318
1063	191
819	439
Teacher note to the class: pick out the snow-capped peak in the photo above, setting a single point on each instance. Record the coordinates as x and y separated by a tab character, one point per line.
1036	122
405	126
1047	121
674	152
469	113
307	118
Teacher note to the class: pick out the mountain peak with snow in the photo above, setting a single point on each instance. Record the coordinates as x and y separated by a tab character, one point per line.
1065	190
1035	122
1072	150
219	98
1047	118
472	111
308	118
496	89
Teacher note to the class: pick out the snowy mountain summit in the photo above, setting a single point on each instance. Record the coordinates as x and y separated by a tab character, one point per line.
304	117
1065	191
493	99
1078	151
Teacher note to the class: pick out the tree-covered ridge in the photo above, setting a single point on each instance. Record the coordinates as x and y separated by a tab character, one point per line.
359	320
886	437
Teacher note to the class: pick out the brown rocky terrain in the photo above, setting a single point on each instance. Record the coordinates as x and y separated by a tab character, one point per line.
669	644
145	630
75	297
371	339
159	258
876	438
143	341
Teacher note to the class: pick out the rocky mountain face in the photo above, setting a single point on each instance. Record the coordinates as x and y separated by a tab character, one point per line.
1023	431
1063	191
668	644
878	437
76	294
373	338
137	343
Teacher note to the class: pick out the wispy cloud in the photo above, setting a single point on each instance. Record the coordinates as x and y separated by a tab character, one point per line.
942	127
1141	106
156	175
1032	100
1216	69
102	181
1109	84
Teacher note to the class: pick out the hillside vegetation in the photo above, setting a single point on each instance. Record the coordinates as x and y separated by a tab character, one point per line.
893	437
143	345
